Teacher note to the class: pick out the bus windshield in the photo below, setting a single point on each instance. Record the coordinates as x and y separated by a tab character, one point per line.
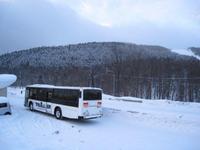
92	95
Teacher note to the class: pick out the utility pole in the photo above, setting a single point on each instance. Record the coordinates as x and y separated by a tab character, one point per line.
114	79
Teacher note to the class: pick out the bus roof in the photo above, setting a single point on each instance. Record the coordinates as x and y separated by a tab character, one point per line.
59	87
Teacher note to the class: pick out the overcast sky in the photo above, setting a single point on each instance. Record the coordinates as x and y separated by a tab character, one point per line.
29	23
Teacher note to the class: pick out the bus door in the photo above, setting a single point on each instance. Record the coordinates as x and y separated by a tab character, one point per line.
48	101
40	103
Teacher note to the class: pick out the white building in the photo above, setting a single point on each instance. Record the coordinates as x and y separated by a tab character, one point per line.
3	92
5	81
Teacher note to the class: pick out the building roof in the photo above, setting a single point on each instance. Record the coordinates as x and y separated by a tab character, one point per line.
6	80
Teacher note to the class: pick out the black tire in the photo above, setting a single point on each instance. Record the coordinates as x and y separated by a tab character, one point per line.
58	113
31	106
8	113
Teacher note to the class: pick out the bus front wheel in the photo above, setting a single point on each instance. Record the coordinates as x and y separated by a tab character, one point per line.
58	113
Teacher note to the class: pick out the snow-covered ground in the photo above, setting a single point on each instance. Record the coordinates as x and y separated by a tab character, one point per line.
128	123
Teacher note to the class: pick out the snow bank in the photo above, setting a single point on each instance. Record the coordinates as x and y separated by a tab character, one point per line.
124	98
6	80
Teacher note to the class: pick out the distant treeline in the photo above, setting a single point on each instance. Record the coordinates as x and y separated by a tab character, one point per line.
149	72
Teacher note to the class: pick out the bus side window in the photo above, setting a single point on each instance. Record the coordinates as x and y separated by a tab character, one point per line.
49	96
32	93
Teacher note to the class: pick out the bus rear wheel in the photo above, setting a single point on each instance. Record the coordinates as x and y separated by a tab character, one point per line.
58	113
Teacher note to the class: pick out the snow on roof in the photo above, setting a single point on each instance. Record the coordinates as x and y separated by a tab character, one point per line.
6	80
59	87
3	100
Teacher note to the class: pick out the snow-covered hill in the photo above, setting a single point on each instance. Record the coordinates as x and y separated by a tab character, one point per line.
186	52
126	125
87	54
144	71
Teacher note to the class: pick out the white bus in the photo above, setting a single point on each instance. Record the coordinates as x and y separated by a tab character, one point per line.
61	101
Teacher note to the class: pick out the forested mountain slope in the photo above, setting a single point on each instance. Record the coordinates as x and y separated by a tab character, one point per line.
119	68
80	55
195	50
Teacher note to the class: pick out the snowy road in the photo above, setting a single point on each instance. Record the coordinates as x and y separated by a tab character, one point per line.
150	125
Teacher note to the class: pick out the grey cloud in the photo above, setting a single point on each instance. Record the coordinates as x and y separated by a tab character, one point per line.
26	24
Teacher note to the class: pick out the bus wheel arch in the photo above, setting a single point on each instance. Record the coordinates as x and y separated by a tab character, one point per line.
58	112
8	113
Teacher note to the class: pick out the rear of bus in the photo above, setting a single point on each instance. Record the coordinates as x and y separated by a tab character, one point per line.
91	103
